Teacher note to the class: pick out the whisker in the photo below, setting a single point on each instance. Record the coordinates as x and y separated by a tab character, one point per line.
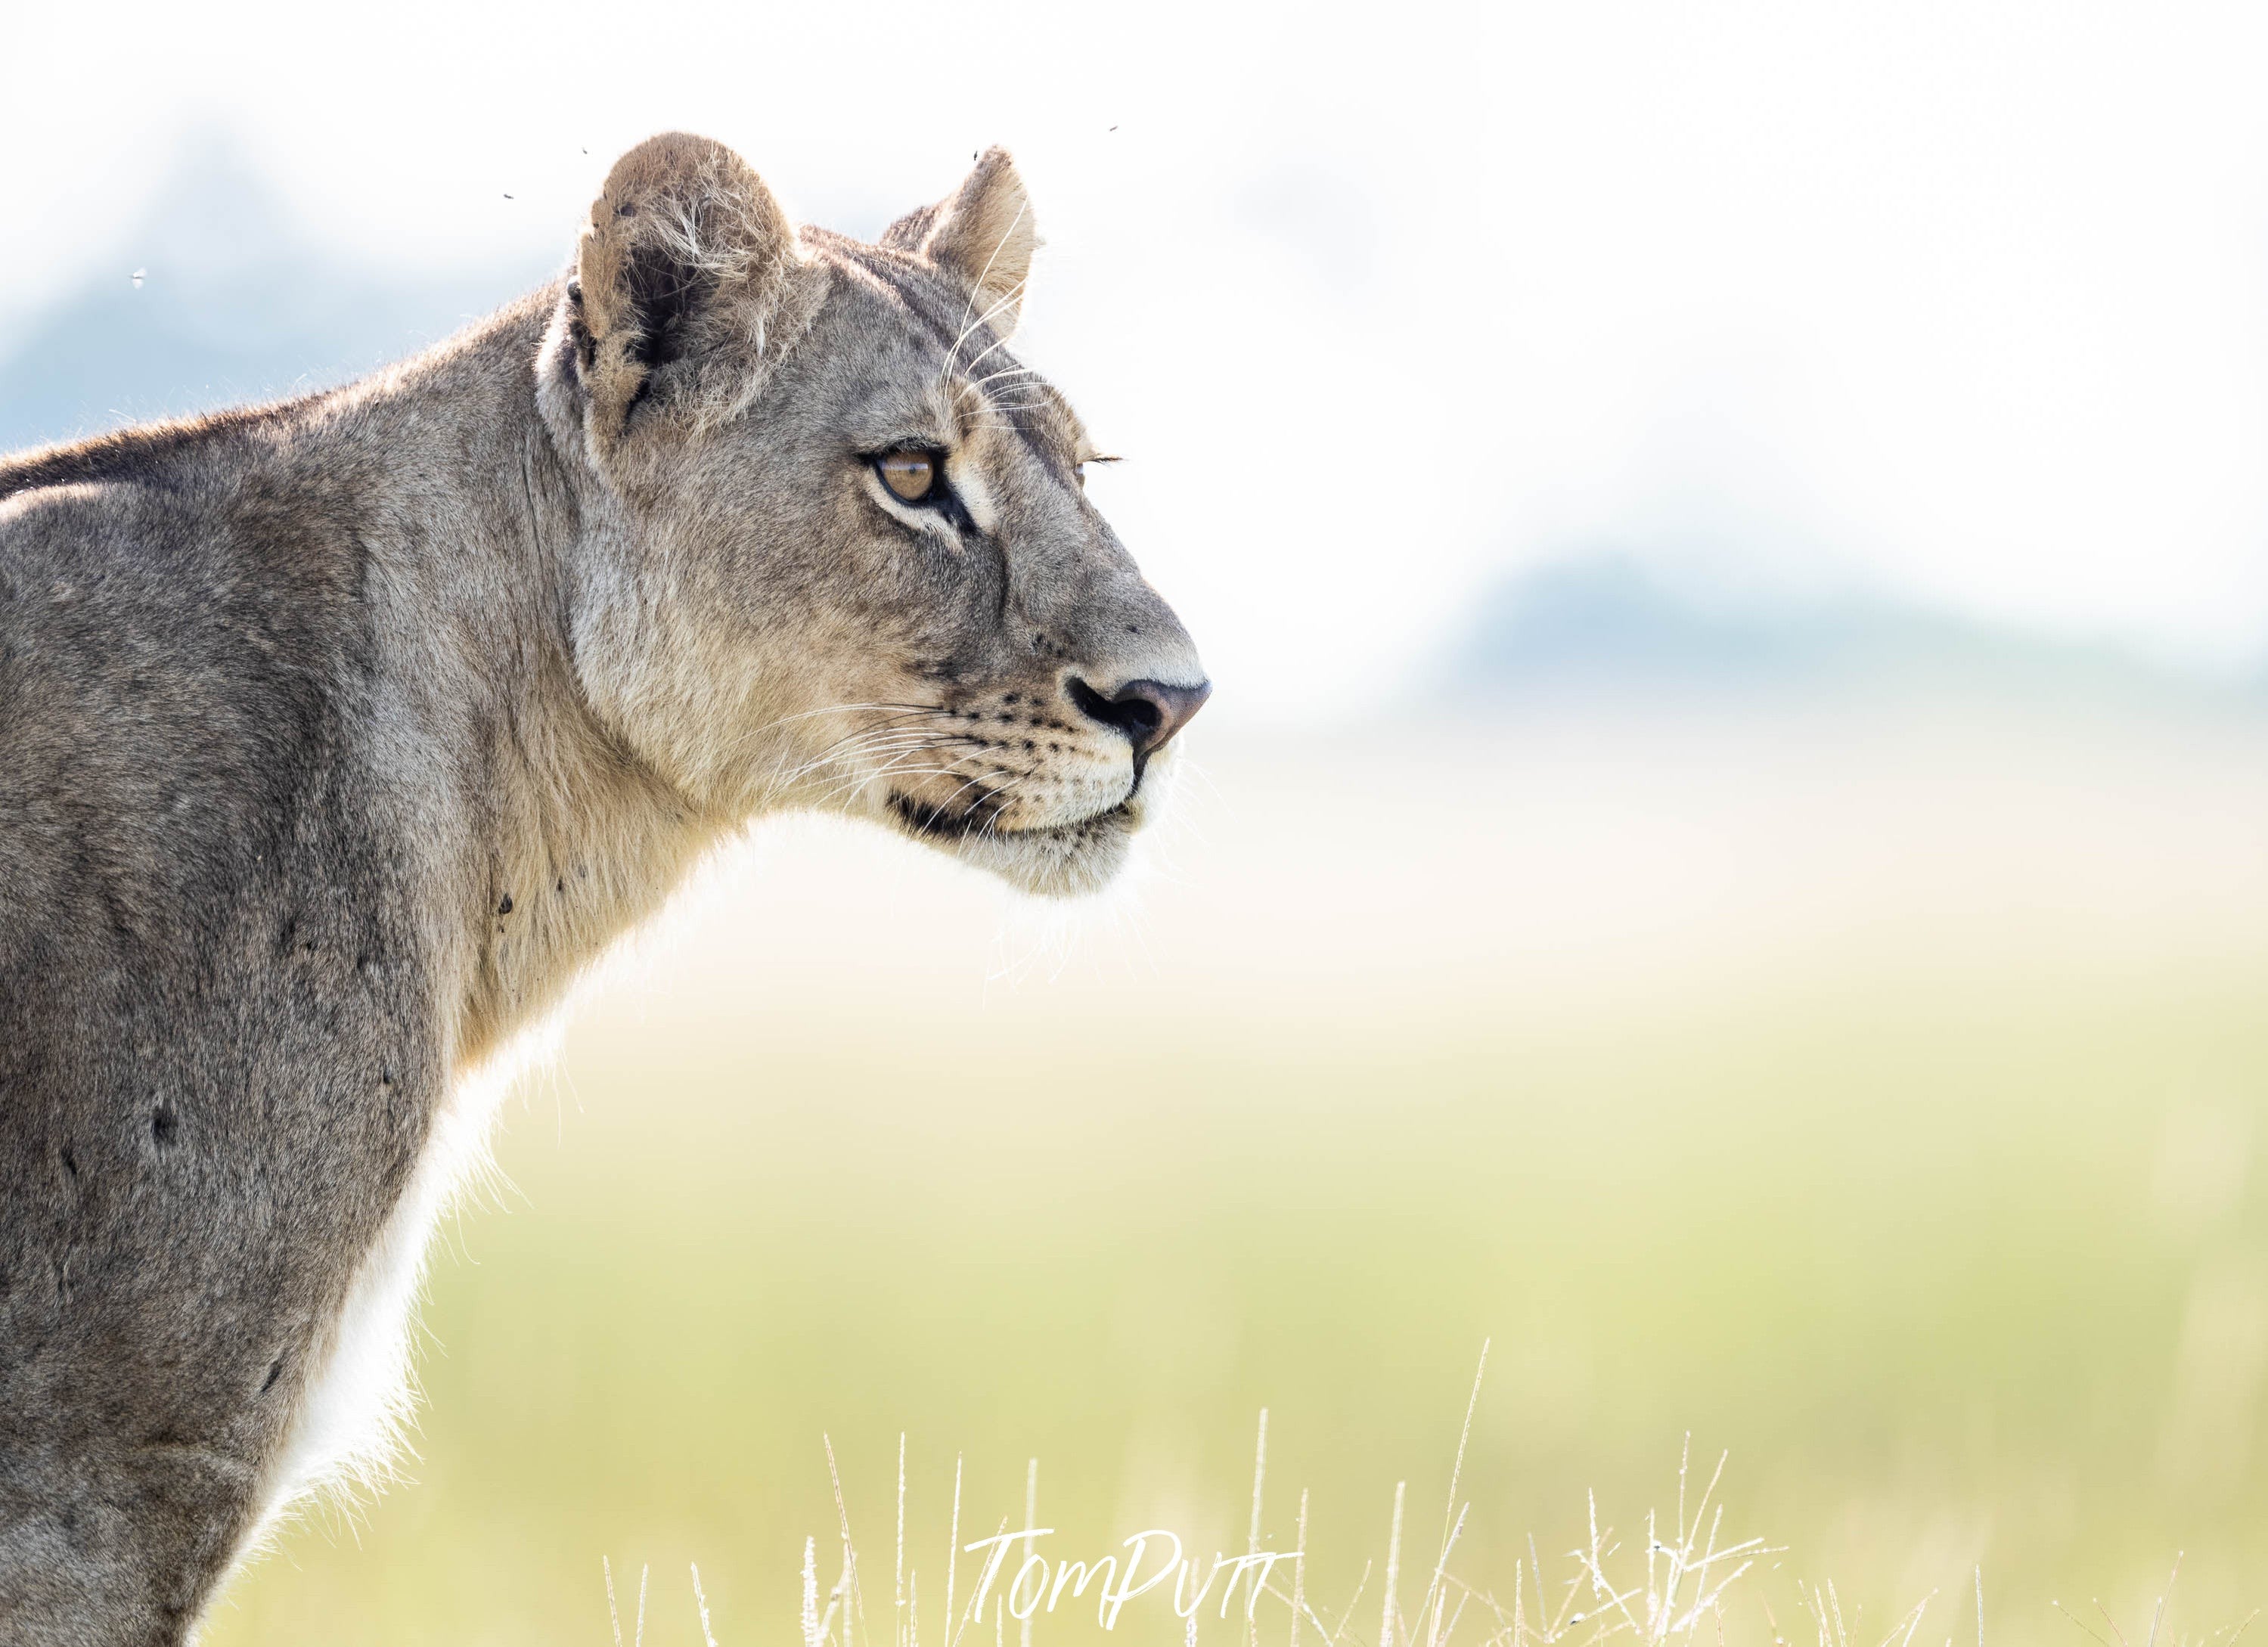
1014	291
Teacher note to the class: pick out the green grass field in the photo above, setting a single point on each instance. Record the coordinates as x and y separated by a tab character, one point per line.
1958	1255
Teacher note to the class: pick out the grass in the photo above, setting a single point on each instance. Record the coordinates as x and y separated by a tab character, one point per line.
1942	1320
1680	1582
1677	1584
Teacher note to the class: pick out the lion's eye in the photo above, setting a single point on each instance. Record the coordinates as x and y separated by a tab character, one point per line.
910	476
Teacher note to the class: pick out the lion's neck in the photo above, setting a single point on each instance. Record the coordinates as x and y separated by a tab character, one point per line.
578	844
542	837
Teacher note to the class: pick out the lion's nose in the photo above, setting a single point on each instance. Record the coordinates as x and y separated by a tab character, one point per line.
1148	712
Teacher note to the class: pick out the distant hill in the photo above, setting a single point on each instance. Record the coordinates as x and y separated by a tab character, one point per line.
1614	622
234	304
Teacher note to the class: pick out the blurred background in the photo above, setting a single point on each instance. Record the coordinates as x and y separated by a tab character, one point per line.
1729	857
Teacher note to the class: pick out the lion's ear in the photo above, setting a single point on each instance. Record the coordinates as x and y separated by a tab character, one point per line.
982	235
681	278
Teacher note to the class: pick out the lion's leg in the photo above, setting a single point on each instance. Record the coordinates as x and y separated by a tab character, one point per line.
146	1438
116	1546
153	1340
163	1339
166	1401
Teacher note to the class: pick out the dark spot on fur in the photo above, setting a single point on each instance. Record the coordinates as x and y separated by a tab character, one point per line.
561	887
164	1123
505	907
1011	698
1027	743
70	1161
386	1078
275	1371
1133	629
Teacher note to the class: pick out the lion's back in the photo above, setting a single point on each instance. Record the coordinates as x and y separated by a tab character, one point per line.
198	956
154	717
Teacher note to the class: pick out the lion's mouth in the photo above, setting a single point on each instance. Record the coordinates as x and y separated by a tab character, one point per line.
982	816
924	819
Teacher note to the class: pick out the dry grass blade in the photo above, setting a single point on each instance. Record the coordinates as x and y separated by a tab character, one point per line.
1299	1569
811	1592
952	1554
708	1637
1387	1623
1252	1538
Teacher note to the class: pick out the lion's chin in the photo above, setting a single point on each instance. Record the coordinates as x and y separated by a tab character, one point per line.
1064	861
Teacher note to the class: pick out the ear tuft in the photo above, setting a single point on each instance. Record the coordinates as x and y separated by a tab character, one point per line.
685	267
982	235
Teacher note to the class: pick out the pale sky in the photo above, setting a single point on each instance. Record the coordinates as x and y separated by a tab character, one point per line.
1965	302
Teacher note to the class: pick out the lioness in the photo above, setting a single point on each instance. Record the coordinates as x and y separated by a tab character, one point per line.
336	736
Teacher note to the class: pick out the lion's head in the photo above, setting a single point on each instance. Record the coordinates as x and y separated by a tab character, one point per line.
836	547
